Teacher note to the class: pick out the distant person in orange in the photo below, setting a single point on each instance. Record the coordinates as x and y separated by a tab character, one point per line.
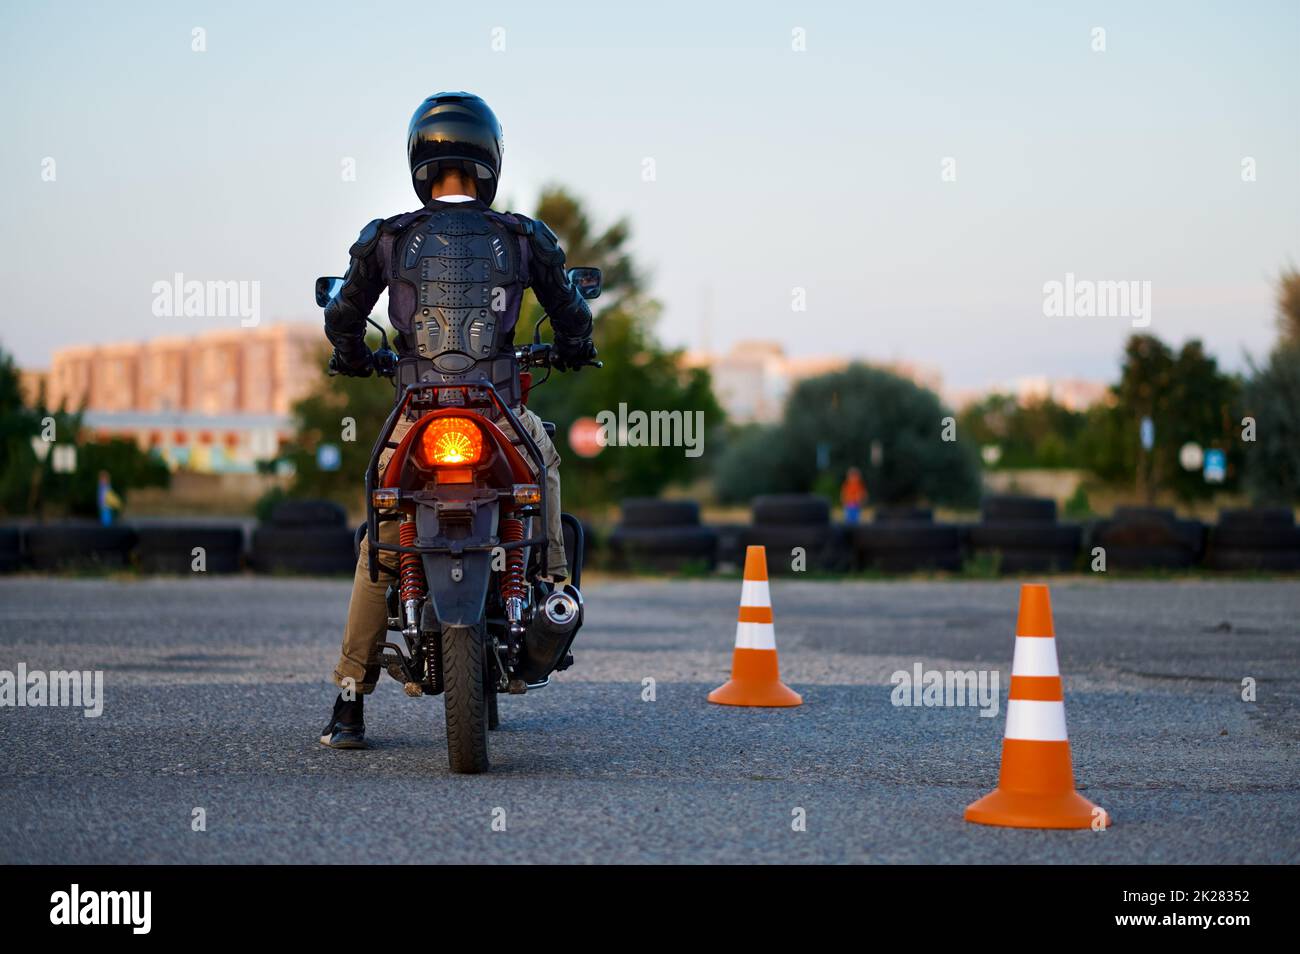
853	493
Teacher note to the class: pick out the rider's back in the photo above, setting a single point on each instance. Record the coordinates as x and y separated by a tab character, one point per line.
455	273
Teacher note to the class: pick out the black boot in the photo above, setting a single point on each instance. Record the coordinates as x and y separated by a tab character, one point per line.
347	725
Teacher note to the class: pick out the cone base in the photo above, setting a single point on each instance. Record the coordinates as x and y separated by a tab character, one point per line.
755	681
773	695
1011	809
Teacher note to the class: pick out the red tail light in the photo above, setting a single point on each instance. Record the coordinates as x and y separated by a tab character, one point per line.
451	442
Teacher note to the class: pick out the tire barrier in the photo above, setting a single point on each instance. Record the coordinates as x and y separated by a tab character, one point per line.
904	515
308	537
1265	539
1148	538
783	510
65	546
653	512
170	548
312	551
825	548
784	523
311	537
1011	508
1022	534
1028	546
11	549
731	545
662	536
896	545
308	513
663	549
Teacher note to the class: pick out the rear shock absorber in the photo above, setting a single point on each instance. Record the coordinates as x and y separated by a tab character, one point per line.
514	590
410	581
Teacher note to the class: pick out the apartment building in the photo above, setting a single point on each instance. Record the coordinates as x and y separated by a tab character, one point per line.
214	402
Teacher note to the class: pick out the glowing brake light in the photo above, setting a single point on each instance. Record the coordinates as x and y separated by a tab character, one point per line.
451	441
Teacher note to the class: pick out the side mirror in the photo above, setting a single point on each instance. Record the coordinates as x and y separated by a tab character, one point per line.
587	281
327	286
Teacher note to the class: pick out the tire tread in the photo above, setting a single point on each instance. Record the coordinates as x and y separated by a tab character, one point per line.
464	696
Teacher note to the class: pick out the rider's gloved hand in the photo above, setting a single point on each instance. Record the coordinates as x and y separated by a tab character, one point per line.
572	353
360	365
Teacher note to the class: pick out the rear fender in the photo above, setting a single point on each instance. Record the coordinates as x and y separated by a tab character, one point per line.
458	584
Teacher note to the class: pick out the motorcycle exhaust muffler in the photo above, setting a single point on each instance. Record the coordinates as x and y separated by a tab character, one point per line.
550	632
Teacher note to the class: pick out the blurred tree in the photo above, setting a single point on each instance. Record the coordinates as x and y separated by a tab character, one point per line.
1187	398
1272	398
18	425
1202	407
638	372
1145	380
1288	307
1036	433
830	425
1108	445
752	462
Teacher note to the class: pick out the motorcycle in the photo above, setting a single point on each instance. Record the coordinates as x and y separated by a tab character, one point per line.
467	596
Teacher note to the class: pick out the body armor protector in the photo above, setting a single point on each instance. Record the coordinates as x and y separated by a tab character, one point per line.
461	264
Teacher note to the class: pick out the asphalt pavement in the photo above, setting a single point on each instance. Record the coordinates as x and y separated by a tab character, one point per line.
215	690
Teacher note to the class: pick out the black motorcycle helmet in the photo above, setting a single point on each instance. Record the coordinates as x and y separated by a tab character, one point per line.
455	129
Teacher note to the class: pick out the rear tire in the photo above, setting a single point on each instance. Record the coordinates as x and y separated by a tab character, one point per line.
466	699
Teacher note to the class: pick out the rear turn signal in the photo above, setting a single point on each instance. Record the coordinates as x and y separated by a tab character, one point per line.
451	442
527	494
385	498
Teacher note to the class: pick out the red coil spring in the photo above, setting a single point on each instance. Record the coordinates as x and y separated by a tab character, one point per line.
512	579
410	584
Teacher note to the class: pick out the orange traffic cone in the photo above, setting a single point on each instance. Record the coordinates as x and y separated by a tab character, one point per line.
1036	786
754	677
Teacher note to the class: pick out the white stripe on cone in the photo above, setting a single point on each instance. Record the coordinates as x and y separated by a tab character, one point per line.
1035	656
1035	721
755	593
755	636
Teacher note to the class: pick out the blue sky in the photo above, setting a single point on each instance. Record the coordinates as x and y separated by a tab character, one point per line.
775	169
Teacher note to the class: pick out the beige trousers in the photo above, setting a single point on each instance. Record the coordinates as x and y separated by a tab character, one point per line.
358	665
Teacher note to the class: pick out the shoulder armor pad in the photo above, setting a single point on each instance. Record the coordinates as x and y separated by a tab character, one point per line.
365	242
397	223
519	224
545	243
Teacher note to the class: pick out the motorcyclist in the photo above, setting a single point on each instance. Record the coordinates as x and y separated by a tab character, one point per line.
455	272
